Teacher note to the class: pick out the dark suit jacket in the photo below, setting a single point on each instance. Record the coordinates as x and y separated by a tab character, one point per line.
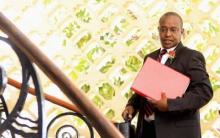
182	118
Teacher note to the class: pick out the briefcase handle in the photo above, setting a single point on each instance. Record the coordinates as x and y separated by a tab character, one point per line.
127	130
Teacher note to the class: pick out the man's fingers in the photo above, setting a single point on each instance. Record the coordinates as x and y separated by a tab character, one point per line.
129	116
163	95
126	115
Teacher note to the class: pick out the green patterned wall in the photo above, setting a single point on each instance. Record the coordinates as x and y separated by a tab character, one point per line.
100	45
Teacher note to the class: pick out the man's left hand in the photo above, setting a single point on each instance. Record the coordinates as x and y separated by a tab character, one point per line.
161	104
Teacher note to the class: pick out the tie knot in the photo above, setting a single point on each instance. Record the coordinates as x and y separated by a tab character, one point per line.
162	52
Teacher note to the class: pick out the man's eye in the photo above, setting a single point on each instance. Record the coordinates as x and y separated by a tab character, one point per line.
163	29
174	29
168	29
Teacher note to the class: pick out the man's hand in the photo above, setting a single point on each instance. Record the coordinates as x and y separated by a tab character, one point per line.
161	104
127	114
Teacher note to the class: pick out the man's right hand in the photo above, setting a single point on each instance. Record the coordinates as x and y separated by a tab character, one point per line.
128	113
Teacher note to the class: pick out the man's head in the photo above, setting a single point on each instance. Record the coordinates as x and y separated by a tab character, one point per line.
170	29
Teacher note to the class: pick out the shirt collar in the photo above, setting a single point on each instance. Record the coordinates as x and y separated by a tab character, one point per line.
168	50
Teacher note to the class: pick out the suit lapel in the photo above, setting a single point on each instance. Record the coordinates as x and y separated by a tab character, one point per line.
155	55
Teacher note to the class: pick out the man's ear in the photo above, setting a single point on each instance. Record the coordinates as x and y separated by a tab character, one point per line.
183	32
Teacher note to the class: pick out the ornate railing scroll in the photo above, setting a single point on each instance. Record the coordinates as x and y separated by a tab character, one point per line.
4	115
103	126
15	122
68	130
3	106
65	128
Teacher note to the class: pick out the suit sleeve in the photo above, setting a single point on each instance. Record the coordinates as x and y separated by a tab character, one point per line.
199	91
134	101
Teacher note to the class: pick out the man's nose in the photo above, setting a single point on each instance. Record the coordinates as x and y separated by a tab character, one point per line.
168	32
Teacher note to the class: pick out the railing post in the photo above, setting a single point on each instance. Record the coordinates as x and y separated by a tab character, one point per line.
105	128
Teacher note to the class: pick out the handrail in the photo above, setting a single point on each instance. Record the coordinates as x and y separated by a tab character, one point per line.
104	127
48	97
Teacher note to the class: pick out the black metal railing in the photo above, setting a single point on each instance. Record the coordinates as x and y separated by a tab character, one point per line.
68	130
65	129
14	122
35	128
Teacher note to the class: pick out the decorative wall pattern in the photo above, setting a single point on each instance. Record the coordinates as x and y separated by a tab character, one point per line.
100	45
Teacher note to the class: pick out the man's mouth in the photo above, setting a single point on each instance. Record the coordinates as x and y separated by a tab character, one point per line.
167	41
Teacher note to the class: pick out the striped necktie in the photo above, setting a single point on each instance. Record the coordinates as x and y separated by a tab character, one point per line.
148	107
162	52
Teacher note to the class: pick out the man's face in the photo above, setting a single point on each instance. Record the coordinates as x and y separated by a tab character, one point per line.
170	31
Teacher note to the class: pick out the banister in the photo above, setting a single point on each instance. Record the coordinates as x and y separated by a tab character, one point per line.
104	127
48	97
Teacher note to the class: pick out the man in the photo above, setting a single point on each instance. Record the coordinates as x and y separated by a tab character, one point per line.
173	118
